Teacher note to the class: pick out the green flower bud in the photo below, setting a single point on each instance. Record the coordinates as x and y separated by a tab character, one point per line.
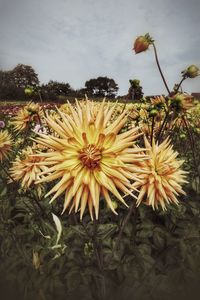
153	112
191	72
28	91
182	136
181	101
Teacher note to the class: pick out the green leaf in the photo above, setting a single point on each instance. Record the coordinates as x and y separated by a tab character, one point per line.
105	230
58	227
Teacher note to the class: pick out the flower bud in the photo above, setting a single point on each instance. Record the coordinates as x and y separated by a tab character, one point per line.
153	112
191	72
142	43
28	91
182	101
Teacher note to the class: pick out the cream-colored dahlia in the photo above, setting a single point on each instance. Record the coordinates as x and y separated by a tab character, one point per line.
25	168
5	144
161	184
90	158
25	115
158	101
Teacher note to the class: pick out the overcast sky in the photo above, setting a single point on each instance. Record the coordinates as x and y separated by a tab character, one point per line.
75	40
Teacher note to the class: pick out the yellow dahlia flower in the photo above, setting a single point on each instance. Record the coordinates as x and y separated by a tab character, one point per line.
25	168
161	184
5	144
25	115
158	101
89	157
182	102
65	108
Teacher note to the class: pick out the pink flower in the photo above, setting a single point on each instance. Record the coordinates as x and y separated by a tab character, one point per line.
2	124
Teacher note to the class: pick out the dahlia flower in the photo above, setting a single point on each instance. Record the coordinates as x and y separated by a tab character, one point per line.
25	168
25	115
89	157
5	144
161	184
182	102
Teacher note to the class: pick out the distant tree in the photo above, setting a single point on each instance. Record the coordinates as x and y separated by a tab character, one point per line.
54	89
80	93
8	88
24	75
101	87
135	91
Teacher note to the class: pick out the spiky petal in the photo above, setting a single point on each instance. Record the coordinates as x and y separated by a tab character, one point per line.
161	184
25	168
5	144
89	157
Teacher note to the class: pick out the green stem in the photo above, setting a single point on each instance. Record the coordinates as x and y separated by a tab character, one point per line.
124	223
163	126
192	143
7	173
159	68
177	89
152	128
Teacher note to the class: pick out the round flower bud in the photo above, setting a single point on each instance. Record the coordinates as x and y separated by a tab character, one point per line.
182	101
191	72
28	91
182	136
153	112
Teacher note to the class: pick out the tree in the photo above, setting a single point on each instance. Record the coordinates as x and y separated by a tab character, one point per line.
54	89
8	89
101	87
24	75
135	90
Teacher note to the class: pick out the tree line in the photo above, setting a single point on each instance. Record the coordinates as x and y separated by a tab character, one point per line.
14	82
22	81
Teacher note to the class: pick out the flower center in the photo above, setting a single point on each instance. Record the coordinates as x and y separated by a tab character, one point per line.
90	156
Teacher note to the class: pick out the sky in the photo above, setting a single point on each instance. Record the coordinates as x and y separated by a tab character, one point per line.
76	40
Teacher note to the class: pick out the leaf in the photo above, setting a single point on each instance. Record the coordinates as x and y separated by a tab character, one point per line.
105	230
158	240
3	190
79	230
58	227
45	236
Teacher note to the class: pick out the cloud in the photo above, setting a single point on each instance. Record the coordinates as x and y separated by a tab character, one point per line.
74	41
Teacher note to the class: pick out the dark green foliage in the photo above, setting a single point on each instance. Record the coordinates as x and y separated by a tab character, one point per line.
158	251
54	89
101	87
135	90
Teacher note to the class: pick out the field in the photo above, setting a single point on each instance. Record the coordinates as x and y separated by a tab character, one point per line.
100	199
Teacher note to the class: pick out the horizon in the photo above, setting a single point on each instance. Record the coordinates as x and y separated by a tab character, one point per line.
65	43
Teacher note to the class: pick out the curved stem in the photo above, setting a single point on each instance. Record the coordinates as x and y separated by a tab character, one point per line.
163	126
161	73
7	173
124	222
176	90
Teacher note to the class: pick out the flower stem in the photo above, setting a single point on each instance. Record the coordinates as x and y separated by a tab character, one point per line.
124	222
7	173
177	89
163	126
152	128
159	68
